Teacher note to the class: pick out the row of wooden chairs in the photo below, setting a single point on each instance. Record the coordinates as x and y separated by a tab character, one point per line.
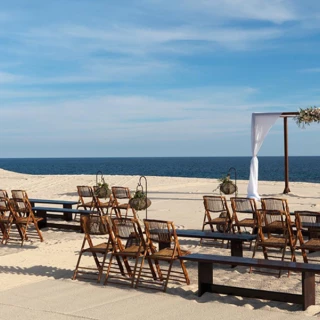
117	204
129	248
17	212
277	230
272	223
227	222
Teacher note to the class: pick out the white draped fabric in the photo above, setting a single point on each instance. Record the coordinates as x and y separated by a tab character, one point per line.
261	123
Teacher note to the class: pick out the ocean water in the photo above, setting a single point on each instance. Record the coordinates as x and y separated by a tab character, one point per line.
304	169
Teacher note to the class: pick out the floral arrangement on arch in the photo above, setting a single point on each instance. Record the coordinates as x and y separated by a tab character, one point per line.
308	115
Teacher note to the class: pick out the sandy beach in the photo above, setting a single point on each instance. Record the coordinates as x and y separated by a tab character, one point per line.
35	280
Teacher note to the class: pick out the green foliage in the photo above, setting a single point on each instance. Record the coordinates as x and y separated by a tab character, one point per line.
102	190
225	179
139	194
103	185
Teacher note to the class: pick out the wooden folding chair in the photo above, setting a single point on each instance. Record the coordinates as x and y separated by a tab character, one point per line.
93	226
86	198
246	206
308	232
163	233
6	216
275	231
24	218
216	205
128	246
121	197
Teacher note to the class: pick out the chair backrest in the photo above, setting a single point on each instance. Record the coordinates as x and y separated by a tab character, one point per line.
85	191
216	204
160	231
311	219
19	194
94	225
275	204
3	193
127	232
121	192
4	202
243	205
21	203
86	194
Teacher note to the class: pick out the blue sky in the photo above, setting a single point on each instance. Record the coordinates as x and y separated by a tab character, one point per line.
83	78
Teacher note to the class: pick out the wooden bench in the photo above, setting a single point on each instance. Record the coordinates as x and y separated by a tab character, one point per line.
65	204
43	213
205	278
236	239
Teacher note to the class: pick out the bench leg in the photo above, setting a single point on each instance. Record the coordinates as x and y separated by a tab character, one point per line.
66	215
236	248
205	277
308	289
42	214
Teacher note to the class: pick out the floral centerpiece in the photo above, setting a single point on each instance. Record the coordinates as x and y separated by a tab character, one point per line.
226	186
139	201
307	116
102	190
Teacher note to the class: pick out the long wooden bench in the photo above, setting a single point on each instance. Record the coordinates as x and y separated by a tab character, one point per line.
66	204
43	213
205	278
236	239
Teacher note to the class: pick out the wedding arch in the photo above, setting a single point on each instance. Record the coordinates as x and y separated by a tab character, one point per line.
261	124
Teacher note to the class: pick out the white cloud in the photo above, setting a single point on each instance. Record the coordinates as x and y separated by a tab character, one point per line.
6	77
141	41
274	11
311	70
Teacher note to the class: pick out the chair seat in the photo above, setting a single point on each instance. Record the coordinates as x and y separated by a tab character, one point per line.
87	204
99	248
247	223
312	244
121	206
166	254
277	225
217	221
274	241
105	204
25	219
130	251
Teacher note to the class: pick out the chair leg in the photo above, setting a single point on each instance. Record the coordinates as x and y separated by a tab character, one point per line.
265	252
108	270
168	276
202	230
304	255
38	230
75	273
135	270
253	254
139	273
282	259
185	272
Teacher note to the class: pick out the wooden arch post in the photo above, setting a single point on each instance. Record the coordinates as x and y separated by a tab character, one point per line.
285	116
